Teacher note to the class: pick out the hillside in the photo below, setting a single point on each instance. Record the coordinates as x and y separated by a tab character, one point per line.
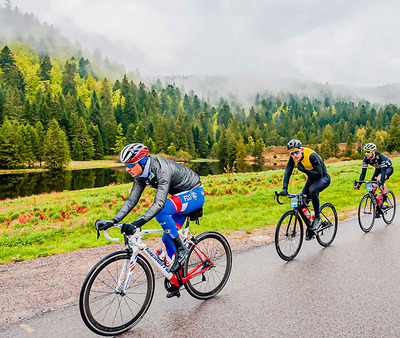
57	105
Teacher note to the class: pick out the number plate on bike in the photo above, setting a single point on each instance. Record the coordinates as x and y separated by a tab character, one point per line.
294	202
368	186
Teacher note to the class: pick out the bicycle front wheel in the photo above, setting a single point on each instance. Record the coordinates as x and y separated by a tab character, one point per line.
327	232
366	213
108	311
288	236
389	210
211	251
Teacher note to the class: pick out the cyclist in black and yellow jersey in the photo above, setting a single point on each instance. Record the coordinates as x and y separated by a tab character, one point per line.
309	162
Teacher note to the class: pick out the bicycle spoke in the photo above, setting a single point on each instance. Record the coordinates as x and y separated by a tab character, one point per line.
210	249
115	312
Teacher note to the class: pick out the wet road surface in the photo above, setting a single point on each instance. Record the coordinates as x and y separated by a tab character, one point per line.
349	289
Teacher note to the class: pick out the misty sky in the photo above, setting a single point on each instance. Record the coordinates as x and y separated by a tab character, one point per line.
350	42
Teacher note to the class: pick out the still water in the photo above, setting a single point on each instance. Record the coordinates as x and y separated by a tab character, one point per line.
25	184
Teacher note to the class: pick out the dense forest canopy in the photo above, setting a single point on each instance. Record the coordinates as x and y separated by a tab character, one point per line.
54	108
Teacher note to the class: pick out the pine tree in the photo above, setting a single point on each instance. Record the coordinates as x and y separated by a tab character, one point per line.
119	141
258	149
108	122
25	137
9	148
94	110
95	135
240	151
13	106
85	141
394	134
76	150
44	71
325	150
56	149
129	112
11	73
40	139
68	84
222	154
349	146
140	133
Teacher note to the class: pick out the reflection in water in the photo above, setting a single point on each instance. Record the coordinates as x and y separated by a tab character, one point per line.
15	185
217	168
25	184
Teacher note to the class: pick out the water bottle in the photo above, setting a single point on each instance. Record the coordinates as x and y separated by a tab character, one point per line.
312	215
306	212
380	199
163	257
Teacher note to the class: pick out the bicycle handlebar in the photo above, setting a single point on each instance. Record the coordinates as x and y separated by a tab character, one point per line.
360	182
277	197
112	239
276	194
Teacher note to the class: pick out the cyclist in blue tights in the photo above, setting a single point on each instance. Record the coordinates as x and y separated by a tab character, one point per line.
168	177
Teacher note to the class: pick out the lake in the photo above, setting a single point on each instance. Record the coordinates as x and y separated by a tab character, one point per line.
33	183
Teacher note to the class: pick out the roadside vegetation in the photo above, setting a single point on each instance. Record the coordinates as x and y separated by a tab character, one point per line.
54	223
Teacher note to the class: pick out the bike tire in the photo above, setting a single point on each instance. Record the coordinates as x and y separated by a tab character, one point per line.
329	224
388	214
366	213
287	242
208	284
102	308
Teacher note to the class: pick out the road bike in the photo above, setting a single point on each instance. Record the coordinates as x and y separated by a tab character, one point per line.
118	291
289	231
369	208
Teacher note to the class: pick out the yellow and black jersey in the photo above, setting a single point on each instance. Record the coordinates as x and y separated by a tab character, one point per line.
311	164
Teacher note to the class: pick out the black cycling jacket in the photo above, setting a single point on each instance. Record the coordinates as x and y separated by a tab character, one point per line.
380	162
311	164
168	177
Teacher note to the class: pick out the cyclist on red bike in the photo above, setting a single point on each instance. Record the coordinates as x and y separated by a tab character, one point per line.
168	177
383	168
309	162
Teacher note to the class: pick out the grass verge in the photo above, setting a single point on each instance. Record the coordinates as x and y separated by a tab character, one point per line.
49	224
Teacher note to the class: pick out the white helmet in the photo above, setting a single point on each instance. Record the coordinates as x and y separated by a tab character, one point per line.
133	153
369	147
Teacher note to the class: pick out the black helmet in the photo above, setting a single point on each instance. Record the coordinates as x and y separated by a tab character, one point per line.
294	145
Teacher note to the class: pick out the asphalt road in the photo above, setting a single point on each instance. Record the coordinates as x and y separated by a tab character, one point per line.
350	289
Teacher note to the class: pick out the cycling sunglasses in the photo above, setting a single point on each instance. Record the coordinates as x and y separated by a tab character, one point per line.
368	151
130	165
294	153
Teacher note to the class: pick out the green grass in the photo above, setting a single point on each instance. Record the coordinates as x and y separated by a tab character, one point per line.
49	224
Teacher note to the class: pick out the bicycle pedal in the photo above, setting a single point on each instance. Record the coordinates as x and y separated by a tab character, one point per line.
173	294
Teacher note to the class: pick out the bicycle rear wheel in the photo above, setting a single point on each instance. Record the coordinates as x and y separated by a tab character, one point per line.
109	312
288	236
366	213
328	229
211	250
389	211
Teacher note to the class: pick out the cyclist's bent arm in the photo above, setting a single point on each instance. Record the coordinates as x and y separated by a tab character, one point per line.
288	173
131	201
158	204
363	171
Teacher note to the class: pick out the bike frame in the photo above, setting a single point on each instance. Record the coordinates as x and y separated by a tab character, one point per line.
301	202
370	192
136	245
